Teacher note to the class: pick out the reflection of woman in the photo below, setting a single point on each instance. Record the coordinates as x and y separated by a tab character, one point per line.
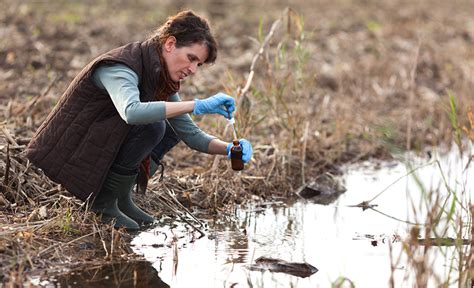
122	113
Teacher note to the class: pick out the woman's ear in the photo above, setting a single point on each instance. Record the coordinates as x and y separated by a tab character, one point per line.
170	43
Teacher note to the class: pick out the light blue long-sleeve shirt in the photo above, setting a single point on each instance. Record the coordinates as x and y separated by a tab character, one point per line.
121	83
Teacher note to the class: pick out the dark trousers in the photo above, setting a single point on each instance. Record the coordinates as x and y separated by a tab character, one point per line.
154	139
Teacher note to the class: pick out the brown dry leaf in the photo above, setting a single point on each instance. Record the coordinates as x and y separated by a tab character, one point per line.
10	58
24	234
469	134
43	212
297	21
470	131
33	215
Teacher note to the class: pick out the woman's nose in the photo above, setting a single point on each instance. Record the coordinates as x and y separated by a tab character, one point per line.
192	68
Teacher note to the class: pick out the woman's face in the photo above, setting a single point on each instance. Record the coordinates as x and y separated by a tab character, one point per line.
184	61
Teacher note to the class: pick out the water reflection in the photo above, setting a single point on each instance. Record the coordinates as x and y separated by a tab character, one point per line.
340	240
122	274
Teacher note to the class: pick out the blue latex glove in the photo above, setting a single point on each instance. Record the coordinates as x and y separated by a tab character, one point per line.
218	104
247	150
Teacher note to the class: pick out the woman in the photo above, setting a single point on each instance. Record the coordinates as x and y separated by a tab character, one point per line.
122	113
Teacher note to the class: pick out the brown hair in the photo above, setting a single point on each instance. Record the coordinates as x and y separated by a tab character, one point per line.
188	29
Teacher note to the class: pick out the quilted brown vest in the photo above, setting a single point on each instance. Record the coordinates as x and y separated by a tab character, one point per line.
77	143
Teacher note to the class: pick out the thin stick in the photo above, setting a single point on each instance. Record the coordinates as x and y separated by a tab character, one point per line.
7	167
112	244
64	244
186	210
400	178
175	254
9	136
412	95
397	219
177	212
470	261
45	92
275	25
303	157
180	206
234	132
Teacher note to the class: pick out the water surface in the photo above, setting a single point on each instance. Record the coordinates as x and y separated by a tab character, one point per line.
340	240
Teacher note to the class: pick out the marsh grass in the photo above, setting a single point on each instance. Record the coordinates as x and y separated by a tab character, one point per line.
42	227
445	216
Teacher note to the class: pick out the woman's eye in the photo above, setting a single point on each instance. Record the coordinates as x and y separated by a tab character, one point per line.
191	58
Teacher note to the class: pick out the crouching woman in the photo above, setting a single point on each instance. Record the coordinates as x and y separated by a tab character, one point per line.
122	113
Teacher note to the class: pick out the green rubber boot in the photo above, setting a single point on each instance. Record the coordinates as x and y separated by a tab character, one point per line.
106	203
125	201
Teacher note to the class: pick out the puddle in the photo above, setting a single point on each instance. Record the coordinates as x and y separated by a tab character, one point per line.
341	241
121	274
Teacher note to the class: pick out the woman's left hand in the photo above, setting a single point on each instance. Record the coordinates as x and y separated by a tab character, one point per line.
247	150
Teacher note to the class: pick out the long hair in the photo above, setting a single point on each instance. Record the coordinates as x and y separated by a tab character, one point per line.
188	29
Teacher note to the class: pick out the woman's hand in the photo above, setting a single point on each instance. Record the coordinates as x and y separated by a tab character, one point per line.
247	150
218	104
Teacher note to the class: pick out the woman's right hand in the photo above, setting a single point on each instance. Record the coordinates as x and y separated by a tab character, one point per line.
220	103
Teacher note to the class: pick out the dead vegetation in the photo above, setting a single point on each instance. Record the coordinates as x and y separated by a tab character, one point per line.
319	85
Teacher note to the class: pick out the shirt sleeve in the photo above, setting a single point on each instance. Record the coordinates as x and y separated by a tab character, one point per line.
188	131
121	83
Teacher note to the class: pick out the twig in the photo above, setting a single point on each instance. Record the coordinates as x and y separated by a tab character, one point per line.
397	219
412	94
470	260
303	157
364	205
112	243
175	253
185	209
7	167
400	178
275	25
103	242
45	92
274	161
9	136
20	227
165	201
64	244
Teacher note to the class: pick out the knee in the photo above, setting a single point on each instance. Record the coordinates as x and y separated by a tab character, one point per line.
167	142
170	135
155	132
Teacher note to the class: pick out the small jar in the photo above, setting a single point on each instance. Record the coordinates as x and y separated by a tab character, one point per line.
236	156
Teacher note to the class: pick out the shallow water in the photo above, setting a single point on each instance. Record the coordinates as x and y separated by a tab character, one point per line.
339	240
121	274
343	242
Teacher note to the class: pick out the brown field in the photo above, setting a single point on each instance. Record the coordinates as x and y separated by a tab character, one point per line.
335	82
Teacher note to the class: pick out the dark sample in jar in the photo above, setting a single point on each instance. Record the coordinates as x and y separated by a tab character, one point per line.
236	156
